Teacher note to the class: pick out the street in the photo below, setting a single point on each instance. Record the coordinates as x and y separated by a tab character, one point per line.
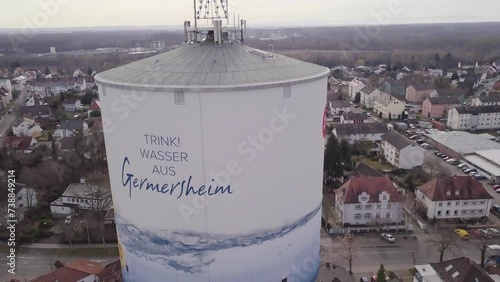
8	119
32	263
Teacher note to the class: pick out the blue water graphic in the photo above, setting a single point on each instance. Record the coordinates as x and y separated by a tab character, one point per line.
192	252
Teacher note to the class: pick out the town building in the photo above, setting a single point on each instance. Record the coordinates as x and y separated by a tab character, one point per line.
56	85
355	87
400	152
457	144
71	104
438	107
26	197
395	88
338	107
5	97
368	201
352	117
474	118
19	145
486	162
36	111
7	85
460	94
368	93
95	105
448	197
364	170
455	270
333	273
418	92
81	196
489	100
387	106
83	270
35	100
26	127
70	128
360	132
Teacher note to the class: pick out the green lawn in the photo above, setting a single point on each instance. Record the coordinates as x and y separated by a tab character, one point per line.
374	164
88	252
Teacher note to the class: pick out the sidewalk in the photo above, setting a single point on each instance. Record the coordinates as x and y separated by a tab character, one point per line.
66	246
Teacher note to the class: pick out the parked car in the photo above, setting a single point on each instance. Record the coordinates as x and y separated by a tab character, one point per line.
461	165
364	279
436	152
497	186
68	219
454	162
413	137
484	232
468	171
420	141
369	114
388	237
412	126
445	157
496	208
451	160
462	234
493	231
498	191
480	176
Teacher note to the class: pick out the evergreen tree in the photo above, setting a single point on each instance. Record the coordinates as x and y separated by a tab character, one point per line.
437	60
47	71
54	149
346	152
89	71
333	157
381	274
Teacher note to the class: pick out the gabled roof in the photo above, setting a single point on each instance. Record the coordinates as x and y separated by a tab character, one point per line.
385	99
461	270
397	140
364	170
329	272
70	101
95	105
72	272
340	104
111	272
447	100
423	86
489	99
68	143
72	124
451	92
36	110
355	116
475	110
21	143
360	128
368	89
452	188
373	186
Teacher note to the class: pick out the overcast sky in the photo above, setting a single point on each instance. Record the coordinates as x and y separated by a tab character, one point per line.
87	13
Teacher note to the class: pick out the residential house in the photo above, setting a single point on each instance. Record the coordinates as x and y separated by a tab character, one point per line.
67	144
460	269
338	107
18	83
95	105
26	197
448	197
368	201
20	144
56	85
68	128
387	106
438	107
360	132
418	92
453	92
400	152
7	85
5	96
395	88
367	95
81	196
435	72
496	88
329	272
352	117
83	270
355	87
35	100
26	127
98	125
474	118
490	100
41	111
72	104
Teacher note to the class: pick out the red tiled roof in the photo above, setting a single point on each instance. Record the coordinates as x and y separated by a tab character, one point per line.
21	143
372	186
95	105
87	266
111	272
98	124
62	274
451	188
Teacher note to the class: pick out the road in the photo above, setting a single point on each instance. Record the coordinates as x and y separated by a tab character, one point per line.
397	257
8	119
32	263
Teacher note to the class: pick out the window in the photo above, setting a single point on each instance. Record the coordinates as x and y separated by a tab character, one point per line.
73	200
364	199
482	202
379	206
447	213
473	203
462	212
457	203
368	215
455	212
377	215
357	216
439	213
179	98
368	207
388	215
465	203
384	197
388	206
440	204
358	207
481	211
87	201
448	204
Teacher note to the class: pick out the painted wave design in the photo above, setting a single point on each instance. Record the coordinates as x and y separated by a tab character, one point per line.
190	252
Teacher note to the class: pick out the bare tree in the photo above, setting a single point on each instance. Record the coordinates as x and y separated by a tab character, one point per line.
444	240
348	249
409	206
99	190
482	245
95	147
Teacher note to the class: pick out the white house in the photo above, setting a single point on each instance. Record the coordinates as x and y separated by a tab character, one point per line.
368	94
352	117
5	95
8	85
360	132
81	196
368	201
460	269
26	127
435	72
26	197
72	104
490	100
70	128
35	100
400	152
455	197
41	111
387	106
474	118
338	107
354	87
